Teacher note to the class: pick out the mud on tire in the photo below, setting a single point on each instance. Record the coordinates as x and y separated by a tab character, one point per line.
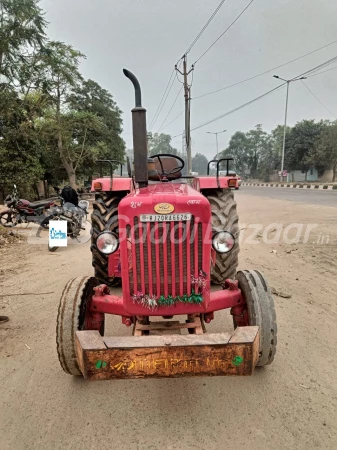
224	218
104	218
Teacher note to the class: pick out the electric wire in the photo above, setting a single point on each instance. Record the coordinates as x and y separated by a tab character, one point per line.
266	71
320	66
238	107
318	99
175	100
181	82
267	93
204	27
230	26
164	97
324	71
235	109
177	117
160	103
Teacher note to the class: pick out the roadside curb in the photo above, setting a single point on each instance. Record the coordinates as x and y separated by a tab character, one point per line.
298	186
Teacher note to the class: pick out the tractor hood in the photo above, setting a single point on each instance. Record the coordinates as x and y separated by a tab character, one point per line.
180	198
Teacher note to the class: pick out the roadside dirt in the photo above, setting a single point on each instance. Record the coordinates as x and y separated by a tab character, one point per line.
291	404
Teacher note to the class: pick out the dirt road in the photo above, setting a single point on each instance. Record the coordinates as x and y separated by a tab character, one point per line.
290	405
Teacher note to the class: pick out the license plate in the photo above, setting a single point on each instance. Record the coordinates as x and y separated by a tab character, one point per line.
165	217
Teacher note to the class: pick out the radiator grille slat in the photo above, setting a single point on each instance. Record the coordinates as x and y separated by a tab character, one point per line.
164	257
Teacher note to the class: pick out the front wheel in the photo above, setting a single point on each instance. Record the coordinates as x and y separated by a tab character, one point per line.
74	314
260	311
8	219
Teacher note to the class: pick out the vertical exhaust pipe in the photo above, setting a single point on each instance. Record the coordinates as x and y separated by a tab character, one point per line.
139	133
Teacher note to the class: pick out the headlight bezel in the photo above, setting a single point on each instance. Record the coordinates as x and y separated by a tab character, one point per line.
110	233
217	235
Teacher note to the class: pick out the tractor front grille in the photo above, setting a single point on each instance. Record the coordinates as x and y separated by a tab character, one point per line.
164	256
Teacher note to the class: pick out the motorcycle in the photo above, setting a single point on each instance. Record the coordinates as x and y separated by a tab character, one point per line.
24	211
73	215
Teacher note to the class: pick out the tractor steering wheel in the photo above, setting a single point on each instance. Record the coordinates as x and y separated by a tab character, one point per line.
175	169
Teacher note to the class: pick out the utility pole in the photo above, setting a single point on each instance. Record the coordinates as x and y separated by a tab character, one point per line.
285	119
183	148
187	95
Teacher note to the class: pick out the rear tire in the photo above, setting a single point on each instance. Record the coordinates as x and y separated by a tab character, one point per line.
261	312
72	316
104	218
224	218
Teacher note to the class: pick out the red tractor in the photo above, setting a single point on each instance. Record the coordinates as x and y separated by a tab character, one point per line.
164	238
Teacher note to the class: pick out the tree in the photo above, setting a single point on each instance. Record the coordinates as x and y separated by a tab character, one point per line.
259	147
238	149
248	149
21	30
53	125
199	164
59	70
20	149
300	142
76	129
91	98
271	154
324	154
160	143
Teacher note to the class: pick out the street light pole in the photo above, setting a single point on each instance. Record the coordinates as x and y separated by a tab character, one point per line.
284	130
285	119
216	139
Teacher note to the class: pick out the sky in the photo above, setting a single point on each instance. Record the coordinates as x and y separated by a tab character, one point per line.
149	36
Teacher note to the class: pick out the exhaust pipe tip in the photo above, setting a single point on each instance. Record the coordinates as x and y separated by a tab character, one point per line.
139	133
136	85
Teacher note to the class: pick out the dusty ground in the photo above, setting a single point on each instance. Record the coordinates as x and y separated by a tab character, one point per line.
290	405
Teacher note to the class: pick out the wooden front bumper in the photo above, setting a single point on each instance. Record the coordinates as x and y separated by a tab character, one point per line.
103	358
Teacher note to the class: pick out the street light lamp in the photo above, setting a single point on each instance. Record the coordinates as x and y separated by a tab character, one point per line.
285	117
216	139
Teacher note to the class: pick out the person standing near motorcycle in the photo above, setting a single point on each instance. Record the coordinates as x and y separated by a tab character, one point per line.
69	195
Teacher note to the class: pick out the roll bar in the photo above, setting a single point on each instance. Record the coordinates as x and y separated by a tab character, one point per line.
110	162
218	161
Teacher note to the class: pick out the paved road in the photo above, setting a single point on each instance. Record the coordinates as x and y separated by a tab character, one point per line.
310	196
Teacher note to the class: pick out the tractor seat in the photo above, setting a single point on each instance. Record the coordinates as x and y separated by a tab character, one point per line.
168	164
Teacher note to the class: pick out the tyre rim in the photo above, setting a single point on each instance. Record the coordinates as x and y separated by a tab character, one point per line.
8	220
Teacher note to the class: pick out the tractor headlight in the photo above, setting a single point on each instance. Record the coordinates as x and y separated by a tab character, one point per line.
223	242
107	242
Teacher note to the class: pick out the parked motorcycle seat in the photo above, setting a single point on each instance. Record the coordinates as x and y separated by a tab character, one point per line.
38	204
